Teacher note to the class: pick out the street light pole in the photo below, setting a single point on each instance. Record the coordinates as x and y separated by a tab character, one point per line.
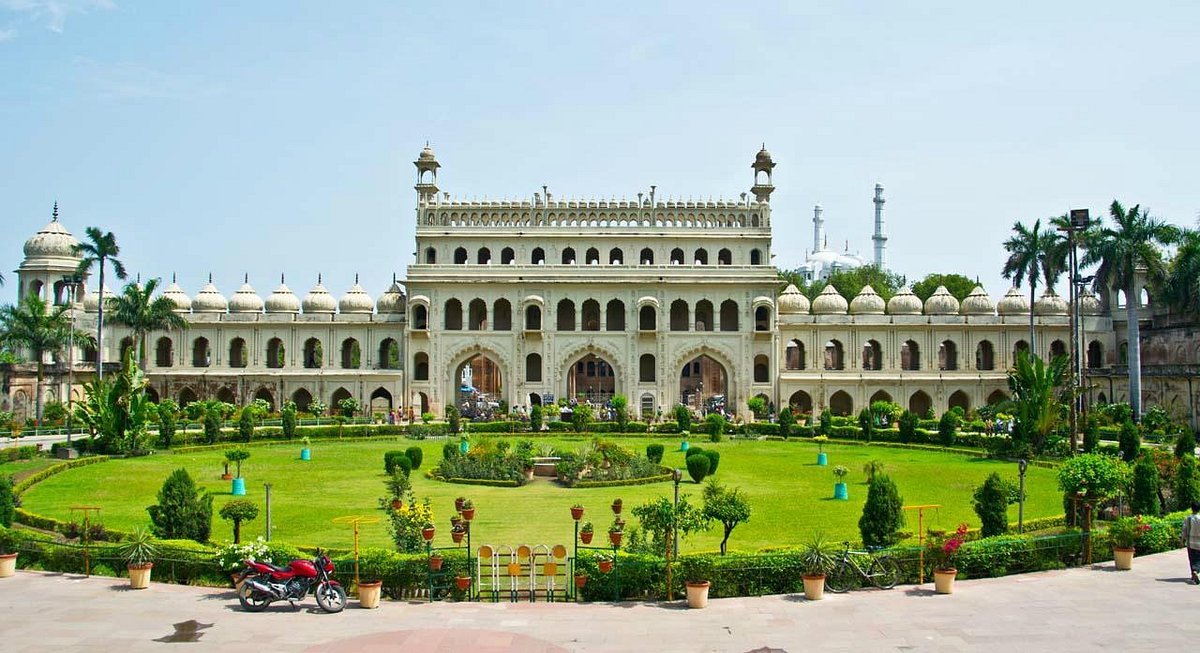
72	282
1022	465
1078	221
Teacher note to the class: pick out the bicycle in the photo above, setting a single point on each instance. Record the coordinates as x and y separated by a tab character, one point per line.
882	571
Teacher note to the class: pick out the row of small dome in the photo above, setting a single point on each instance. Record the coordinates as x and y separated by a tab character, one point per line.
941	302
282	300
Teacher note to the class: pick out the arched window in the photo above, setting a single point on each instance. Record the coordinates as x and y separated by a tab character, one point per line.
840	403
729	315
615	256
502	315
201	356
724	257
538	257
614	316
533	318
568	256
835	358
985	356
959	399
677	256
237	353
591	315
1058	348
592	256
454	320
647	318
477	315
566	315
1123	353
484	256
1020	346
430	255
507	256
460	256
646	368
420	317
1095	354
647	256
762	369
313	357
704	315
679	315
164	352
351	354
302	398
533	368
275	354
910	356
793	356
947	356
755	257
762	319
701	257
389	354
872	356
421	366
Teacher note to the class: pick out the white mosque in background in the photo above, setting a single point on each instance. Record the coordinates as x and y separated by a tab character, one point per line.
824	261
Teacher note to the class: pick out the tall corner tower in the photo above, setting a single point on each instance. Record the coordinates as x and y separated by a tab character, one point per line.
427	167
763	165
880	238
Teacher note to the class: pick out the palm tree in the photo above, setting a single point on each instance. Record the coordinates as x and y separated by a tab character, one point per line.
1182	286
1130	245
1034	386
137	308
1056	249
99	249
40	328
1025	259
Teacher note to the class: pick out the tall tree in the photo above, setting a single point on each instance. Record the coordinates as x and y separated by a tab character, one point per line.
42	329
1034	387
1056	249
99	250
1181	289
1025	248
1130	245
956	284
137	308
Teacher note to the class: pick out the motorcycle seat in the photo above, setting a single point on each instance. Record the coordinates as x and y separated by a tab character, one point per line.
275	567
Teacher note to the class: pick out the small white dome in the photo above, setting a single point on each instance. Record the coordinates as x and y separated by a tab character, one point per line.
53	241
318	300
356	300
246	300
1050	304
867	302
175	293
941	302
792	301
1013	303
1089	304
91	301
209	300
978	303
283	300
391	301
904	303
830	302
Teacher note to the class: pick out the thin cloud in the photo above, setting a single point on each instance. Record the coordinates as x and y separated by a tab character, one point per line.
52	13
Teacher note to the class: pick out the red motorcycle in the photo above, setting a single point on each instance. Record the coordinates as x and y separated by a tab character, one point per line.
262	584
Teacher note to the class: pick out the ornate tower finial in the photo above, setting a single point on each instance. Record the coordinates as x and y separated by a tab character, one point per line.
318	278
356	278
55	217
245	277
281	282
210	277
172	277
763	164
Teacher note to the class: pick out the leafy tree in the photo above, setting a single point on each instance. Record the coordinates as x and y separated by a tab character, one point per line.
826	422
246	424
1131	244
581	417
620	407
116	410
660	519
42	329
54	412
1181	288
991	504
715	423
1130	441
168	411
317	408
1097	476
1145	487
238	511
349	406
683	417
1185	444
1187	485
786	421
957	284
1032	385
882	514
1025	250
535	418
99	250
453	419
137	308
757	406
183	511
866	423
948	428
849	283
8	501
237	455
727	506
287	419
1091	433
908	426
212	424
697	466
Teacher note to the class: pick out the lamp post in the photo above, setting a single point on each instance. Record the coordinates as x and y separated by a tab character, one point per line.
677	476
1079	220
1022	465
72	282
673	541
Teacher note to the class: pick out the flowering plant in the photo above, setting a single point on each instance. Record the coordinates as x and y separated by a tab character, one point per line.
840	472
1126	531
943	550
232	556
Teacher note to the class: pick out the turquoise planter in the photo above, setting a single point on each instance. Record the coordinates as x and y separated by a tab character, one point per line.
239	487
822	459
305	454
683	446
464	446
840	492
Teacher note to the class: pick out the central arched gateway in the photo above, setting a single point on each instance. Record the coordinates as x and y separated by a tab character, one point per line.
591	378
479	386
704	385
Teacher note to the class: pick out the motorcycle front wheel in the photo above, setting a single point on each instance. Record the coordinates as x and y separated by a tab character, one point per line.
252	601
331	598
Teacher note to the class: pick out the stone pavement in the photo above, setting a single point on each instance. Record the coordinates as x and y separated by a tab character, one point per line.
1149	608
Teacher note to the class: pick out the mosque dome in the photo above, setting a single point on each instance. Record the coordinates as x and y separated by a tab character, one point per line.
1013	303
829	302
53	241
867	302
356	300
1050	304
792	301
426	154
283	300
941	302
391	301
904	303
209	300
246	300
978	303
175	293
91	300
1089	304
318	300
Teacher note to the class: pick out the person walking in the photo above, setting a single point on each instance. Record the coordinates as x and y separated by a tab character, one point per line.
1191	539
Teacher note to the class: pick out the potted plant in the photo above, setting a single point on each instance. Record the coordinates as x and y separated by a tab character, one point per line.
697	593
305	452
8	561
457	534
615	531
397	486
586	532
427	532
435	562
458	503
1124	533
816	559
616	506
236	456
577	511
604	564
139	550
822	459
456	522
941	553
468	510
580	581
840	491
369	593
226	476
463	583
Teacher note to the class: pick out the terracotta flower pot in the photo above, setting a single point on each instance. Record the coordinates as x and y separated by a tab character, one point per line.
580	581
697	594
615	538
586	538
468	514
463	583
456	521
226	477
435	563
576	513
1123	557
616	508
814	587
428	533
8	565
397	504
458	504
369	593
457	536
605	566
943	580
139	576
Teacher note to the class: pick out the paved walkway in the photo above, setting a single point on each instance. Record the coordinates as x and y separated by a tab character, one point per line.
1149	608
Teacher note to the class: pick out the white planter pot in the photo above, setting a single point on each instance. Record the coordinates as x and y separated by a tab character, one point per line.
8	565
368	594
139	577
1123	558
697	594
943	580
814	587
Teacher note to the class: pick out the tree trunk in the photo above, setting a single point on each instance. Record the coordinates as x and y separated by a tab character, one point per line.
1134	331
237	531
1032	300
37	389
100	327
728	531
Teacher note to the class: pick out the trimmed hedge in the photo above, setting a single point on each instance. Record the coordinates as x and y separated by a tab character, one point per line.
618	483
23	452
486	482
38	477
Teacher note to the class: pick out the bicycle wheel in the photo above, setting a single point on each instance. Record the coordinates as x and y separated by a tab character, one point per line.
885	573
841	578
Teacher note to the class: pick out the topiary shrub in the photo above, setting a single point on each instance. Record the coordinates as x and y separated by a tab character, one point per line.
246	424
415	456
714	461
882	515
948	428
715	424
991	504
683	417
1130	441
8	504
697	466
183	511
449	450
391	461
655	453
1186	489
212	425
786	421
287	419
908	426
1091	433
535	418
1145	487
1185	444
238	511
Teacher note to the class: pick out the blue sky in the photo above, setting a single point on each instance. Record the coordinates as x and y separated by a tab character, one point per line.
273	137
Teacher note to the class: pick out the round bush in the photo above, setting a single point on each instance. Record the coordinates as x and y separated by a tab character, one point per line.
654	452
714	461
391	461
697	465
415	456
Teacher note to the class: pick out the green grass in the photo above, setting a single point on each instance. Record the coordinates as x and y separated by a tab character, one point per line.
789	494
19	469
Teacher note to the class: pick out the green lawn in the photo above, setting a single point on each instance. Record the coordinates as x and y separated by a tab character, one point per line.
19	469
790	495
